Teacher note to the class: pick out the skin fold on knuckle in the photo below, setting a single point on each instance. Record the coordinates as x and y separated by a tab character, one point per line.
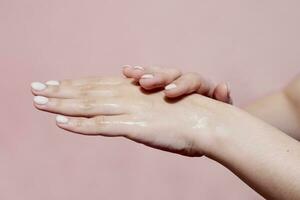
57	104
86	105
78	123
172	74
100	122
84	89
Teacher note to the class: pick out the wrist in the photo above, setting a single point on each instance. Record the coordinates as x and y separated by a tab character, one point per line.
224	128
212	125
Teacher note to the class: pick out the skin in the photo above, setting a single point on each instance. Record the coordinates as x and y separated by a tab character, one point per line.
194	125
187	83
284	104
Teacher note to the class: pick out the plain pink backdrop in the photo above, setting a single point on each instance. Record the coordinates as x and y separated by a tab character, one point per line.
253	44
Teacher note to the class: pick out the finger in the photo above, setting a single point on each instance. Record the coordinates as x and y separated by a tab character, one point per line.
134	72
222	93
41	89
151	77
187	84
87	107
112	126
86	80
158	77
70	91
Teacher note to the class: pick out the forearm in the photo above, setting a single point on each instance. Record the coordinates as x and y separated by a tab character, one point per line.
262	156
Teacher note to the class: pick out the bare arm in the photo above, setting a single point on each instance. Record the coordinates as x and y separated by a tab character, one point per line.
264	157
281	109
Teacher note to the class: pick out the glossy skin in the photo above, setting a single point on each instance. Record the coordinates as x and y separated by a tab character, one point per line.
264	157
117	107
185	83
284	104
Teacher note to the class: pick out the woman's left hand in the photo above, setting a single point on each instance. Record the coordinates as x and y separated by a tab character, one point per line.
117	107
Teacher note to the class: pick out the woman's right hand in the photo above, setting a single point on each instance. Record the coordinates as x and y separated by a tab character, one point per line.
176	84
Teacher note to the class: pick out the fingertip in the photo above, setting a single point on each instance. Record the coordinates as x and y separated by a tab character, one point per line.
133	72
171	91
171	94
222	93
150	81
175	90
126	70
62	120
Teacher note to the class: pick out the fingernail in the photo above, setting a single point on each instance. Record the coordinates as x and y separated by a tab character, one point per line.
38	86
126	66
147	76
61	119
52	83
138	67
40	100
170	86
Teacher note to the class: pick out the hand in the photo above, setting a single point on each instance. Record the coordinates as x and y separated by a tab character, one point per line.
116	107
177	84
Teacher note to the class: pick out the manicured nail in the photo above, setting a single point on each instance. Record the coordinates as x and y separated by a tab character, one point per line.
138	67
52	83
40	100
38	86
147	76
170	86
61	119
127	66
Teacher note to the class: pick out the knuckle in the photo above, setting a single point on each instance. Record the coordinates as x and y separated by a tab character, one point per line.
79	123
99	121
176	71
87	104
58	103
86	87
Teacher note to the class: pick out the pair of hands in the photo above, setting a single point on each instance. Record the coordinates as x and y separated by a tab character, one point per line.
118	107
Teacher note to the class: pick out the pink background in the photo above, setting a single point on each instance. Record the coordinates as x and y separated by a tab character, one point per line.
253	44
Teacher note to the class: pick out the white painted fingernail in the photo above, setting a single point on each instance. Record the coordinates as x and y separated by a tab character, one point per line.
147	76
38	86
61	119
126	66
52	83
170	86
138	67
40	100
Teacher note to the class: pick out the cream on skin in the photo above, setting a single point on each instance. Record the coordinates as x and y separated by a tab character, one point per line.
193	126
